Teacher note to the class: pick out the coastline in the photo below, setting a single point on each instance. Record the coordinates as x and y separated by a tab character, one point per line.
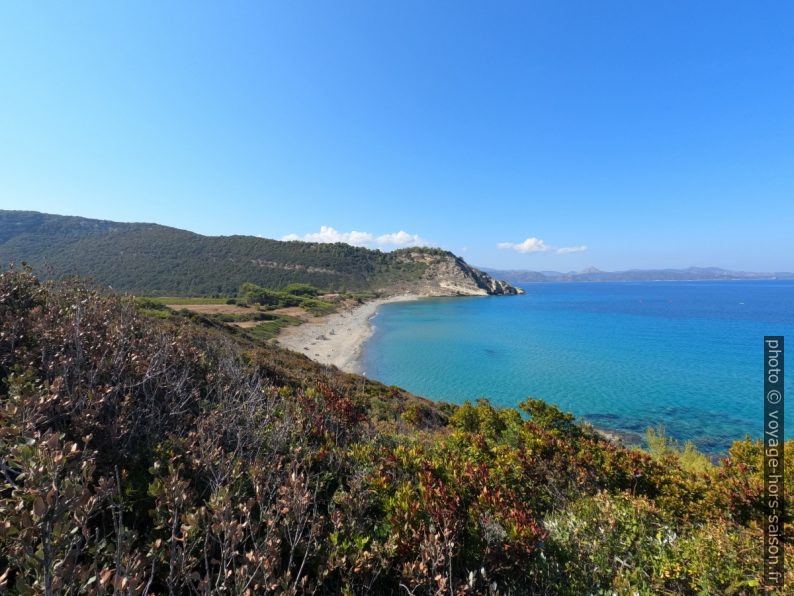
337	339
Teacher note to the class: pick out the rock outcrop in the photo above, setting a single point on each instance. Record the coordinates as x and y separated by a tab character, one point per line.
449	275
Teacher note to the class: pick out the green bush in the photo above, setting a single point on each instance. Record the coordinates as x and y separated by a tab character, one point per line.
301	289
661	446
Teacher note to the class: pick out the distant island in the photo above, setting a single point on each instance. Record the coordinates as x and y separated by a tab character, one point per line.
594	275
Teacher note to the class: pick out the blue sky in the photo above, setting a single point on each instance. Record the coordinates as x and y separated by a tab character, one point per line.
517	134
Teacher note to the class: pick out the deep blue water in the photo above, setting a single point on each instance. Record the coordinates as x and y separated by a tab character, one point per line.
625	356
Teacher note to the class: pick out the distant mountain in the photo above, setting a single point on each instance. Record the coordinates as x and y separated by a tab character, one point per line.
148	258
594	275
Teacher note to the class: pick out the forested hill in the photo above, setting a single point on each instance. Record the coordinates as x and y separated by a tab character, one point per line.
154	259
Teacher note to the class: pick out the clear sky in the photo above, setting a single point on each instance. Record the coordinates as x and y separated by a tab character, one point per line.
517	134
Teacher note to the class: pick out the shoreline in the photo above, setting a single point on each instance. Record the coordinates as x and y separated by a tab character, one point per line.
337	339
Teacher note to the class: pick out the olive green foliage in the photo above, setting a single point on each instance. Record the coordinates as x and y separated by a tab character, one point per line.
302	290
143	455
550	418
177	300
158	260
302	295
661	446
270	328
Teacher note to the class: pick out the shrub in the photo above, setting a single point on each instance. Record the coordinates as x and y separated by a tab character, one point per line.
551	419
301	289
173	455
689	458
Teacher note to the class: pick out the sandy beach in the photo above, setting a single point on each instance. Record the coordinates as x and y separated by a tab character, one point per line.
337	338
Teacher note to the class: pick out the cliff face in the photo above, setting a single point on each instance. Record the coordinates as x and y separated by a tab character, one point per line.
448	275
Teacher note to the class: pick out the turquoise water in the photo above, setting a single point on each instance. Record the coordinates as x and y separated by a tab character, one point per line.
687	355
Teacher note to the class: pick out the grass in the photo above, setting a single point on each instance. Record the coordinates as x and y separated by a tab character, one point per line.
318	307
155	312
269	329
311	304
256	315
185	300
271	323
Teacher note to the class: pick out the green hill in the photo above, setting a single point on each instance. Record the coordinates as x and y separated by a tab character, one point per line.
153	259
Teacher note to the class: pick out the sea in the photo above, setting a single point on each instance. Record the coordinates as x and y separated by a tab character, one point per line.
625	356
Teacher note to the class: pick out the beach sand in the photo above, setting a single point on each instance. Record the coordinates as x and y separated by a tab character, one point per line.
337	338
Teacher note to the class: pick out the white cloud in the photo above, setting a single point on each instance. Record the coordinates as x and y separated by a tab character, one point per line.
533	244
328	234
566	250
528	245
401	238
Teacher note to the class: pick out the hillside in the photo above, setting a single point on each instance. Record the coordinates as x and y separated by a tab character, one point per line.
158	260
145	455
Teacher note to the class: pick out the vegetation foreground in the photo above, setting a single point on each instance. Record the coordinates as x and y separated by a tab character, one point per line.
141	454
